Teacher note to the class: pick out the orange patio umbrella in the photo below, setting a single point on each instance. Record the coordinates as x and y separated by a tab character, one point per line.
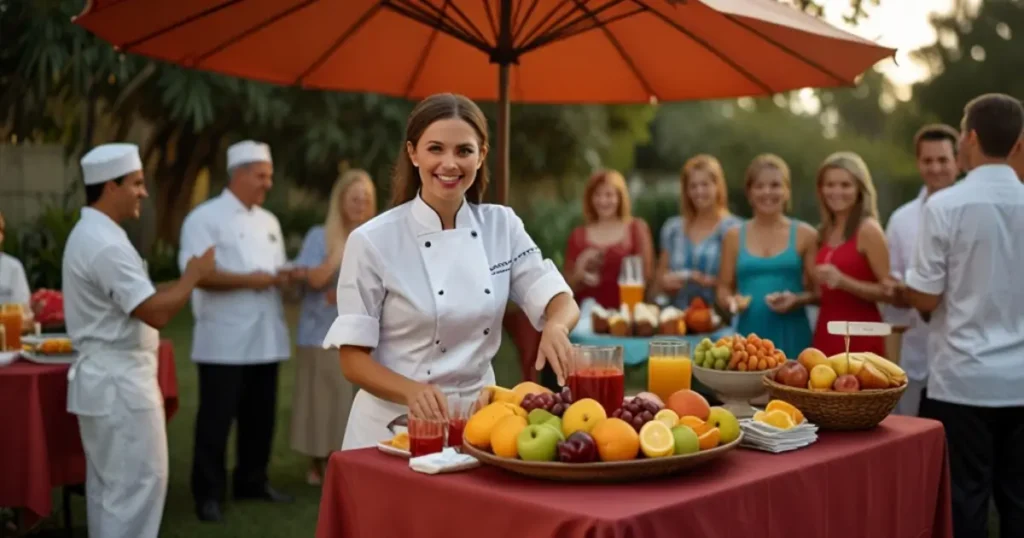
528	51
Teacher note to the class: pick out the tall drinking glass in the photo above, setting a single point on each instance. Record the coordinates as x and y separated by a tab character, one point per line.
631	282
11	317
669	367
460	407
426	436
597	372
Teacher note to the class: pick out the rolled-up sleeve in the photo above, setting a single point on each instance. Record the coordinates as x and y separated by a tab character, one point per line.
360	296
534	280
122	276
927	272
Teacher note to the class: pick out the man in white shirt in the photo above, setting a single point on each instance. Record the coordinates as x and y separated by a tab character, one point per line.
112	315
964	272
935	146
13	282
240	334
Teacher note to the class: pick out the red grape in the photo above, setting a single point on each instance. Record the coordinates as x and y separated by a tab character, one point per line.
617	413
626	415
558	409
637	423
646	416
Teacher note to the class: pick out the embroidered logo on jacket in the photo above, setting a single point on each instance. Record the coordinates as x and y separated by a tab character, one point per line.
506	266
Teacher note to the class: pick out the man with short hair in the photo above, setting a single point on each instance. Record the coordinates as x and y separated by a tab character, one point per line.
240	334
112	313
935	147
964	272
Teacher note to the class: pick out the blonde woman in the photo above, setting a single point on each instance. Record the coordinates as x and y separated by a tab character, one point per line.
323	397
766	260
595	250
691	243
853	256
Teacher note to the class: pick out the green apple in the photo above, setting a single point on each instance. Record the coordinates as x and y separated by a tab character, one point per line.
685	440
539	416
538	442
554	422
726	422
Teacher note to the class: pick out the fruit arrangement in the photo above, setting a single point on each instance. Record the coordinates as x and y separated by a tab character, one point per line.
48	306
644	427
738	353
780	414
853	372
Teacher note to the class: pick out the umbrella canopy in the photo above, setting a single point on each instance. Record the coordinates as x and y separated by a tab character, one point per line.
529	51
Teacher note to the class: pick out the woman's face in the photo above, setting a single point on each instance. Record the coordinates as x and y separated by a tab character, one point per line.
839	190
702	190
606	201
447	155
357	203
768	192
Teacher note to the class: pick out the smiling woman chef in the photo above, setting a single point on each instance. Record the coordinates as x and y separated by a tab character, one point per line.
423	287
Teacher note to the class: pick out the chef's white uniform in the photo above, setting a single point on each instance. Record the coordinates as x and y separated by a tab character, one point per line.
430	302
112	386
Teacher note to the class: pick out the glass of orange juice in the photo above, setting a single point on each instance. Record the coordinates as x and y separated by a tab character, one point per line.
668	367
11	318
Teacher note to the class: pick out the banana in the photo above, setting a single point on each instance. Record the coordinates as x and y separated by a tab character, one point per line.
897	376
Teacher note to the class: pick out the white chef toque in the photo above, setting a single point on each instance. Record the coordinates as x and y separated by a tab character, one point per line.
248	151
110	161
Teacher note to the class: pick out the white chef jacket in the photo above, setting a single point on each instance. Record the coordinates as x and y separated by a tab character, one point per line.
901	233
239	326
969	250
104	280
430	302
13	283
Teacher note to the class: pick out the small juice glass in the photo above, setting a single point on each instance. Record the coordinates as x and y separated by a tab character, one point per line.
425	436
460	408
11	316
669	367
631	294
597	373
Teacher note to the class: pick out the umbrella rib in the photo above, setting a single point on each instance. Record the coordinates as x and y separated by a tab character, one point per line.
441	16
490	19
543	27
252	30
519	24
417	15
566	30
187	20
710	48
422	61
615	43
786	49
367	15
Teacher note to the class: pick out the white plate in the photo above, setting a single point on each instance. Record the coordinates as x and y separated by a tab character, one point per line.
50	359
388	449
35	340
7	357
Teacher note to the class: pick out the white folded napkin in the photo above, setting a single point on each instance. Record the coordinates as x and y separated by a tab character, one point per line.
766	437
447	461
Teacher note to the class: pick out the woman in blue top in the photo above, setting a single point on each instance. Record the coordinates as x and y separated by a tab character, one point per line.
691	243
322	396
765	262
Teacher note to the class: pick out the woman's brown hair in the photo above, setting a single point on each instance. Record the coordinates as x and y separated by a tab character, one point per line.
405	180
867	199
769	160
609	177
710	164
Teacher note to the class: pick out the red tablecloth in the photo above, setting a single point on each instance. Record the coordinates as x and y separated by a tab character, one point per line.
892	481
41	448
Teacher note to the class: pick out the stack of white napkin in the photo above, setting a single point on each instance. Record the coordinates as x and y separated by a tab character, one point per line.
761	436
448	460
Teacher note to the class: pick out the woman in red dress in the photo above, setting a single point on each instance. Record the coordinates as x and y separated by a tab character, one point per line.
853	258
593	256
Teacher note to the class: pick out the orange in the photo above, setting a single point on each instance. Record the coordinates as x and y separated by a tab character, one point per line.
789	408
505	434
709	439
616	440
656	440
697	425
687	402
779	419
400	441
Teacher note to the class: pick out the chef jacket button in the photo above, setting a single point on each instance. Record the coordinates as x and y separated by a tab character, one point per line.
473	234
440	292
437	342
428	372
444	350
487	291
487	331
427	244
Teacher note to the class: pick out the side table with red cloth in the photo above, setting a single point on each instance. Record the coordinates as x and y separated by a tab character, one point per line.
892	481
41	446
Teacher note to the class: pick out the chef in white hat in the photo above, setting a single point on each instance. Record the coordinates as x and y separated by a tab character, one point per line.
112	312
240	334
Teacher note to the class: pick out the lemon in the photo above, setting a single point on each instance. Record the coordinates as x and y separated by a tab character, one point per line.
779	419
656	440
668	416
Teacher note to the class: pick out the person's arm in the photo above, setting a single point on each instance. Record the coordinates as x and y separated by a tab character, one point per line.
573	249
646	248
195	240
664	280
926	278
319	259
807	243
872	239
897	311
726	286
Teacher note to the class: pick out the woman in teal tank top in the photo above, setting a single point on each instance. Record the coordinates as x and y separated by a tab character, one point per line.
772	276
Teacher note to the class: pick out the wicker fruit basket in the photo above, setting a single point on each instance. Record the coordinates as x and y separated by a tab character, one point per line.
838	410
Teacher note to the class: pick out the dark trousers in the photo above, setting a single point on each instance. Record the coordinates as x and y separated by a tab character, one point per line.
986	458
247	393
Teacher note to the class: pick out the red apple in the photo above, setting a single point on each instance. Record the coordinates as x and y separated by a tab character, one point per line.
846	383
792	374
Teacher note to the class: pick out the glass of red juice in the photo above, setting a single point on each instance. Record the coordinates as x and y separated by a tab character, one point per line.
597	372
460	408
426	436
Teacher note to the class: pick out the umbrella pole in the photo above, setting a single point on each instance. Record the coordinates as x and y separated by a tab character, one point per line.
504	112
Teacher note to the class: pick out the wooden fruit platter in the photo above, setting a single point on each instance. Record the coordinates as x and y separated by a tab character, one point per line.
620	471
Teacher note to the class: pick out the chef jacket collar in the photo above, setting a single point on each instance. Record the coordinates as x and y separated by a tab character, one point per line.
102	220
427	220
233	202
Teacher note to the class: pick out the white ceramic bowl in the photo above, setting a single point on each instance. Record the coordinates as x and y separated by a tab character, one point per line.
734	388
